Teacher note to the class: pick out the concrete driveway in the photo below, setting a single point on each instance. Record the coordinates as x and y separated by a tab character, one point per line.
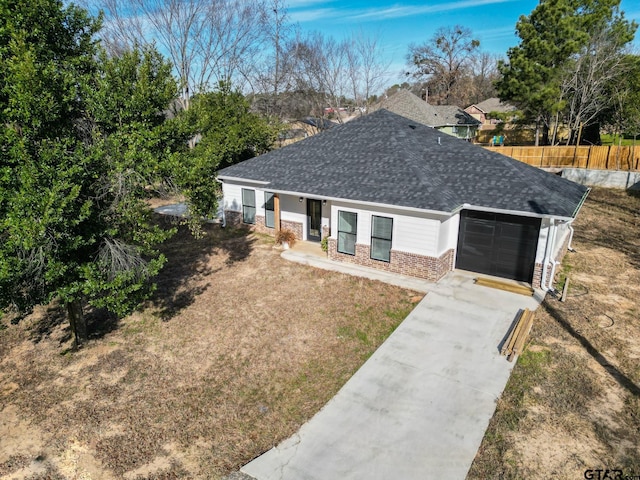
419	407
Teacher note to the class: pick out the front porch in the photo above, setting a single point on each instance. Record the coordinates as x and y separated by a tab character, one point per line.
304	247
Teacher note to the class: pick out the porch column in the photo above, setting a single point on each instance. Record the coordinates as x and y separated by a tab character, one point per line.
276	211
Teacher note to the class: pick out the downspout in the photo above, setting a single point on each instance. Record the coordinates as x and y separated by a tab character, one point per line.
569	247
575	214
548	253
224	218
553	273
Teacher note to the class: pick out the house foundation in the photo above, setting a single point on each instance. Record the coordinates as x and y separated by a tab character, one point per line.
403	263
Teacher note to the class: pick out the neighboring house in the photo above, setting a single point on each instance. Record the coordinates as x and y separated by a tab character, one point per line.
482	110
448	119
392	194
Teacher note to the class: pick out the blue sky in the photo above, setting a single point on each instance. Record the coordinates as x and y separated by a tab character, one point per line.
402	22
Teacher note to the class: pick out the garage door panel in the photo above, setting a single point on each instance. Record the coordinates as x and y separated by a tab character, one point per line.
497	244
514	245
480	228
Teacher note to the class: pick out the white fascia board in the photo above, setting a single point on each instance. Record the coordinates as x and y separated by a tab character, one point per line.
363	202
242	180
517	213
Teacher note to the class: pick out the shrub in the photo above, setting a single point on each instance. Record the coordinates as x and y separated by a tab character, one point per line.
285	236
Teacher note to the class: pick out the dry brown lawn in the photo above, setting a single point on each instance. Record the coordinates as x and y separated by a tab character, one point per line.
573	400
236	350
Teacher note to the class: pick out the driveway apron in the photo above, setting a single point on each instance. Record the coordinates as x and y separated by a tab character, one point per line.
419	407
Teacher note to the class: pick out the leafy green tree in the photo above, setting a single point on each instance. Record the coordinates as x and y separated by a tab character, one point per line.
78	135
623	115
225	132
553	38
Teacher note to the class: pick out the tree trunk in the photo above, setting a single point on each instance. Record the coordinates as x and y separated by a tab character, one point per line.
545	134
555	129
78	323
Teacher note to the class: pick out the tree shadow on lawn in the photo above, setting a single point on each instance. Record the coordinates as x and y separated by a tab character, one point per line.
619	235
184	277
54	316
178	284
624	381
614	239
99	323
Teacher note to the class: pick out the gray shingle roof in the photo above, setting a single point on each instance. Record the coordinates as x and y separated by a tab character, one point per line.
389	159
494	105
408	105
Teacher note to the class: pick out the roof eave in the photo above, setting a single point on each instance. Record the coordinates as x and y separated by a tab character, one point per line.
519	213
243	180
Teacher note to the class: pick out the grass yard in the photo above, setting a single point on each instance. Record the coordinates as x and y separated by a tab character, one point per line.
608	139
573	400
237	349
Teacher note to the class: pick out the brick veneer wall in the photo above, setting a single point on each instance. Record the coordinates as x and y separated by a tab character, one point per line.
295	227
234	219
260	227
411	264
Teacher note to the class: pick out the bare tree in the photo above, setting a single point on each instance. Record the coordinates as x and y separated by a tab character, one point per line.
443	61
366	72
321	70
208	41
273	76
586	80
484	73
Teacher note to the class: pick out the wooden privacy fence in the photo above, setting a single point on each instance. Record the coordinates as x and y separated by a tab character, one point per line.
594	157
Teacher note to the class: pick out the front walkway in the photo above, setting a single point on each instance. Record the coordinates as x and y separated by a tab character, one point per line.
419	407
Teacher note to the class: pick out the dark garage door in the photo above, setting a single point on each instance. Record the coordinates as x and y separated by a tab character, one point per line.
496	244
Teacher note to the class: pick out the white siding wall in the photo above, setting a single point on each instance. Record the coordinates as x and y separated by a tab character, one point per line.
562	232
260	202
232	197
542	240
449	234
418	235
293	210
326	215
412	233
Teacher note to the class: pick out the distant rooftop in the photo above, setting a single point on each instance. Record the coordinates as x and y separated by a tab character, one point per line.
494	105
410	106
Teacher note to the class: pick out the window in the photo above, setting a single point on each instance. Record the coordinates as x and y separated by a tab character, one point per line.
347	230
269	215
248	206
381	229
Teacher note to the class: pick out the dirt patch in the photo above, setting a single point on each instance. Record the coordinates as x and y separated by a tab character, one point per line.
573	400
236	350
